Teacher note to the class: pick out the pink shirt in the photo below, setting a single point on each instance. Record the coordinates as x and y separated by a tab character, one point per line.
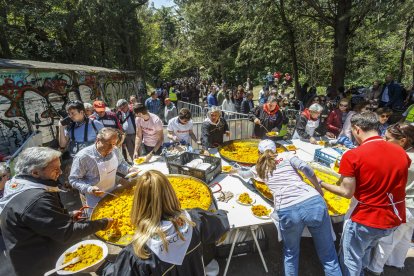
149	129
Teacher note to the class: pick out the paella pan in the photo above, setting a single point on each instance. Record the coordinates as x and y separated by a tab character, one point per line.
337	206
191	192
243	151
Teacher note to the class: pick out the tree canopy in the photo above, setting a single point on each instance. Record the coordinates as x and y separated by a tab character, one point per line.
325	42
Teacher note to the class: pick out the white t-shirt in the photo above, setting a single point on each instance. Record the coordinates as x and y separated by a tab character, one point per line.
149	129
181	131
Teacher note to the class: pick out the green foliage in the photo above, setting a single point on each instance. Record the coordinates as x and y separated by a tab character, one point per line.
217	39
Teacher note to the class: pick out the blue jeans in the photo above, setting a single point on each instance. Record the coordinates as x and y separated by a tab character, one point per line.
356	244
312	213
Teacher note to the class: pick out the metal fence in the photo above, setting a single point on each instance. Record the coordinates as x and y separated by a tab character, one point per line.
197	112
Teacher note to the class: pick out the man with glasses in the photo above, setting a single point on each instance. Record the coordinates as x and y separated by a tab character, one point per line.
180	128
384	114
94	168
77	131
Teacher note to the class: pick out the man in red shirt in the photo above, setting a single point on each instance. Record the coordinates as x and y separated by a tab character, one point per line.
374	176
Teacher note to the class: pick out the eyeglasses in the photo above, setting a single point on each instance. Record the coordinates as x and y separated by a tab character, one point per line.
316	100
343	105
385	116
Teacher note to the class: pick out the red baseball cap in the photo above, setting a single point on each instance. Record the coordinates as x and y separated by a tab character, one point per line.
99	106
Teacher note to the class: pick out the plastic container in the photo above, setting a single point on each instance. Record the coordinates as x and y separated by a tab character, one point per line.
176	165
324	158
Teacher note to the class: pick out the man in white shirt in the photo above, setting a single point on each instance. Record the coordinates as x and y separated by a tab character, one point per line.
180	128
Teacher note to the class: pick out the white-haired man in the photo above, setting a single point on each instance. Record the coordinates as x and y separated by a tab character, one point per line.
94	168
35	225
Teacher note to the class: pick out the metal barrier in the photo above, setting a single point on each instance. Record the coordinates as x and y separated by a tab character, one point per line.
240	128
197	112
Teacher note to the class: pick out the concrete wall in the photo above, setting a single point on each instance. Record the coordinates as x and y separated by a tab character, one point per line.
31	98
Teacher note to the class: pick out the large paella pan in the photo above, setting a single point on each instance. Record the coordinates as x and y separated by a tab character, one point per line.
337	206
191	192
243	151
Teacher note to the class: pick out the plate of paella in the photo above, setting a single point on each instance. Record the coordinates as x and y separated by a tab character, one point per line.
190	191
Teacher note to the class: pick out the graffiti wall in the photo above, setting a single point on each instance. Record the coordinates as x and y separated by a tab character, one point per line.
33	99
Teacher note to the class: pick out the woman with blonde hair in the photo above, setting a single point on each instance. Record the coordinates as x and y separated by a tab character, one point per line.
297	205
168	240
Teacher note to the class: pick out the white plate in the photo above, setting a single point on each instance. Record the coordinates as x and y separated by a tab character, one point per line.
245	204
262	217
92	267
132	174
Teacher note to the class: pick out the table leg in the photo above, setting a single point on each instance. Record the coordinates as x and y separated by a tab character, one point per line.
231	251
253	230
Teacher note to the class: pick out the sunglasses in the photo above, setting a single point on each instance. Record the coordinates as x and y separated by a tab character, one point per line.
385	116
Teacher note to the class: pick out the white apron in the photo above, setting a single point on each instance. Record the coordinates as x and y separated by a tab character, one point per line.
310	128
107	175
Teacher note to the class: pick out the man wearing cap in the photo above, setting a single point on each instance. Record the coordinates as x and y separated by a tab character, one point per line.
170	111
127	118
107	118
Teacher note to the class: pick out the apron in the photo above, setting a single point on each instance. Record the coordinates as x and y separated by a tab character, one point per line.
311	126
354	202
107	174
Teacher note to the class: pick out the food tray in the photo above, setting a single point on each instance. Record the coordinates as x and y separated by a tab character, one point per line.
125	240
175	165
252	144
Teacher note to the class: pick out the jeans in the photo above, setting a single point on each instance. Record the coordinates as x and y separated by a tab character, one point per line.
357	242
312	213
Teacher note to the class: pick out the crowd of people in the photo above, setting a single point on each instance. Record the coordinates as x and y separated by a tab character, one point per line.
97	144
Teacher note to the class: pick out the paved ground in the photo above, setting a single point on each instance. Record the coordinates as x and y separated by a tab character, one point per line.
251	264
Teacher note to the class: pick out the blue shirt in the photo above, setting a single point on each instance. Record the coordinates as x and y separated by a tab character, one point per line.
212	100
80	131
153	106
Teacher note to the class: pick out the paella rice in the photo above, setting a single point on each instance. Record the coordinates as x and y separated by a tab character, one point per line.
191	194
244	151
88	254
336	205
245	198
260	210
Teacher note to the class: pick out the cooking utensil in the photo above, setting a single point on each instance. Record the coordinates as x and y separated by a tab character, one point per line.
73	261
264	127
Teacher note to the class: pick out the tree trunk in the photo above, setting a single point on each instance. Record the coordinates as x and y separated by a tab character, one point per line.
341	39
404	48
4	42
291	40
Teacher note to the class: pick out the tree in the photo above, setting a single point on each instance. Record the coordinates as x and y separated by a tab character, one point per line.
344	17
